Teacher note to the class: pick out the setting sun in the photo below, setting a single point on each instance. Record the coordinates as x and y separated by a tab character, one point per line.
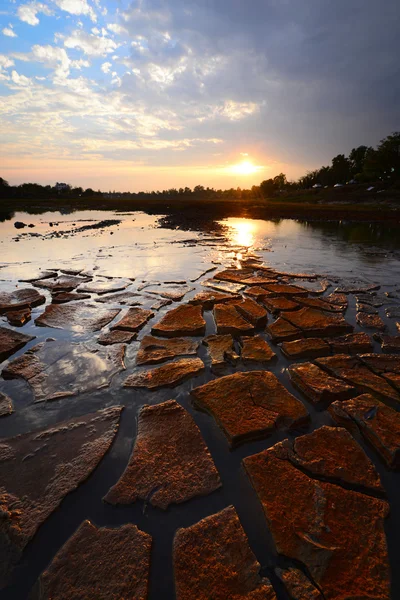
246	167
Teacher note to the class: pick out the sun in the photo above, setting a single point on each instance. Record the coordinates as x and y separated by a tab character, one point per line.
246	167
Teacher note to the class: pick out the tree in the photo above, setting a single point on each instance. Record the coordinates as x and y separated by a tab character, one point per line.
341	168
4	183
357	159
267	188
280	181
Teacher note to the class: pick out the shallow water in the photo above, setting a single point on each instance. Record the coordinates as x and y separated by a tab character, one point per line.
138	249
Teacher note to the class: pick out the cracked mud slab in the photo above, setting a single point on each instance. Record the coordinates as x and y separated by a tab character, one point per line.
229	321
317	385
77	317
98	563
297	585
38	469
186	319
379	424
170	462
208	299
20	299
249	405
6	405
134	320
256	349
116	337
155	350
213	559
168	375
62	369
222	352
338	534
316	323
11	341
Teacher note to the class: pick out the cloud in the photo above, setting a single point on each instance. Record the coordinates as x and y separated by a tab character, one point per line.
115	28
5	62
9	32
90	44
105	67
77	7
28	12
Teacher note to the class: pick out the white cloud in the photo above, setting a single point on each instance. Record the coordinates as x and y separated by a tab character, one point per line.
28	12
105	67
9	32
115	28
5	62
20	80
77	7
90	44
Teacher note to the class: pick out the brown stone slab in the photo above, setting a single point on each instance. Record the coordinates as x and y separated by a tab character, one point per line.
317	385
208	299
259	280
277	304
38	469
338	300
99	286
379	424
382	364
389	343
253	313
336	533
155	350
17	318
160	303
122	298
370	321
353	371
250	405
60	369
39	275
176	295
20	299
134	320
258	293
6	405
256	349
228	320
64	297
321	304
297	585
186	319
222	352
234	275
116	337
213	559
223	286
306	348
170	462
62	283
281	330
98	563
352	343
366	308
168	375
77	317
331	452
11	341
316	323
284	289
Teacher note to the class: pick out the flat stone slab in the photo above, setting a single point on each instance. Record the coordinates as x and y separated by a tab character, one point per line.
338	534
260	280
168	375
222	352
99	286
223	286
208	299
79	317
355	372
366	308
306	348
234	275
6	405
213	559
64	297
250	405
258	292
389	343
352	343
186	319
252	311
18	318
176	295
160	303
321	304
317	385
134	320
38	469
337	299
297	585
78	569
277	304
116	336
316	323
11	341
256	350
62	283
378	423
393	312
281	331
370	321
284	289
60	369
155	350
229	321
123	298
170	462
39	275
20	299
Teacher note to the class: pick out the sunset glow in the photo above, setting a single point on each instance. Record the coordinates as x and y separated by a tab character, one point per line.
246	167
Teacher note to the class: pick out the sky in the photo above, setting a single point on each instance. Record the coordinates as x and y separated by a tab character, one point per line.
153	94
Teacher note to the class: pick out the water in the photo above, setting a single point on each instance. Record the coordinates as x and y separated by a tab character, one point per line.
139	249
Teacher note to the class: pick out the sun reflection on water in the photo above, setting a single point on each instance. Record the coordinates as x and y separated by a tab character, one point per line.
242	233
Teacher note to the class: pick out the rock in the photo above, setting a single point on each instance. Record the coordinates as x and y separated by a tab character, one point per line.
229	321
170	462
336	533
222	352
103	287
186	319
20	299
6	406
227	287
282	289
39	275
258	293
11	341
332	453
38	469
250	405
353	343
259	280
353	371
208	299
366	308
252	312
357	288
176	295
63	283
306	348
389	343
124	298
370	299
213	559
134	320
276	304
116	337
298	586
318	386
98	562
393	312
379	425
386	365
77	317
370	321
337	300
59	369
64	297
154	350
19	225
234	275
281	330
256	349
168	375
321	304
160	304
316	323
17	318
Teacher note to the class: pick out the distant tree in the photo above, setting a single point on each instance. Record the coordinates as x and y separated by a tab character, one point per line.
341	168
357	159
4	183
280	182
267	188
